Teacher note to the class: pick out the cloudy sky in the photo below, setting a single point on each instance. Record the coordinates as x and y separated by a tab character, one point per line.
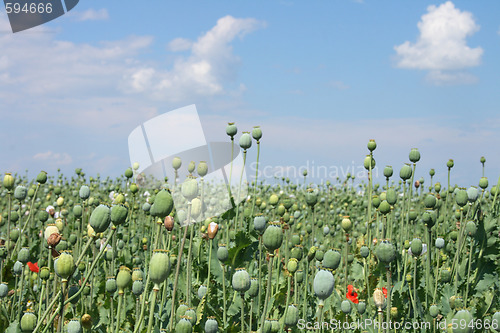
321	78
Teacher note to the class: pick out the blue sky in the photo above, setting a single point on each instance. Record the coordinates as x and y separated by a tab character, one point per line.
320	77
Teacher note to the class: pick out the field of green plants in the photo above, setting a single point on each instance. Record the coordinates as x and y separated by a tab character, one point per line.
87	254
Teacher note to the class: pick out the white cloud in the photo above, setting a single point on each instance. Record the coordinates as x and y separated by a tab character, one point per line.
90	15
442	46
54	158
210	64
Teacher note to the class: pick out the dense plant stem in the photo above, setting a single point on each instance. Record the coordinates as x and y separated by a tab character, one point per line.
177	269
268	290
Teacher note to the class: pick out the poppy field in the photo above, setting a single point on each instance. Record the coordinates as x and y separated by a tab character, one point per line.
82	253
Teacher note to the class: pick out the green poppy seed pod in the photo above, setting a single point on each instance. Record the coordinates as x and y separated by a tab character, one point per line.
137	274
118	214
414	155
84	192
273	199
211	325
20	193
135	166
74	326
129	173
273	237
254	288
184	326
437	187
241	280
405	172
111	285
41	178
323	284
257	133
471	228
292	265
137	287
202	291
483	183
416	247
433	310
222	253
464	320
44	273
195	208
202	169
28	322
482	160
461	197
100	218
181	310
191	315
64	265
311	254
14	233
430	201
17	268
345	306
446	275
384	207
231	130
259	223
23	255
311	197
450	163
366	162
439	243
134	188
495	319
191	167
372	145
123	278
320	255
163	204
4	290
385	251
189	189
77	211
8	181
159	266
391	196
361	307
388	171
364	251
472	193
346	223
176	163
245	141
331	259
292	316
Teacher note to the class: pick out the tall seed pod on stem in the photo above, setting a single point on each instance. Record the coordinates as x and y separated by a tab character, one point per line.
245	144
257	135
189	190
272	239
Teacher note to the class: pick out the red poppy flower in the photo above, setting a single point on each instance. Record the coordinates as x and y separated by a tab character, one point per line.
384	290
33	267
352	295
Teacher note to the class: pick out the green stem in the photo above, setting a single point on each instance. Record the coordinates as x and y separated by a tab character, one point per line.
268	290
118	311
177	269
256	176
152	308
468	272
